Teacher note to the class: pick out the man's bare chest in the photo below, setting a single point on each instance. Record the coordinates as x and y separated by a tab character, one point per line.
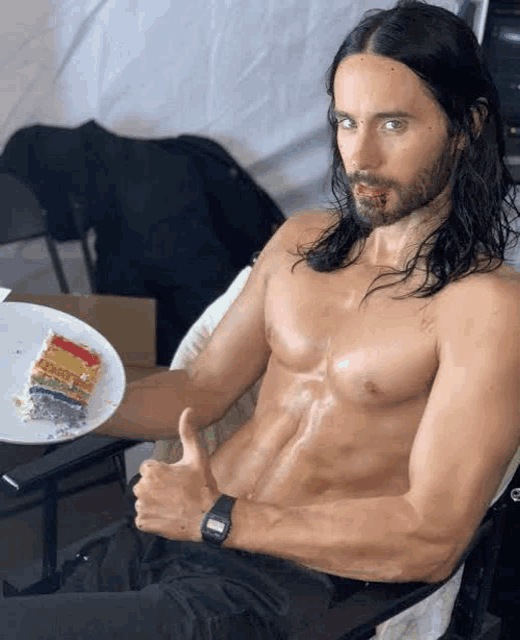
378	354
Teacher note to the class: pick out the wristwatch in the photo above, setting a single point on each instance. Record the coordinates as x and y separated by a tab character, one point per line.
217	522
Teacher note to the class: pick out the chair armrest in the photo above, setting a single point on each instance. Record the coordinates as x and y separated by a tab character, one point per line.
358	616
63	461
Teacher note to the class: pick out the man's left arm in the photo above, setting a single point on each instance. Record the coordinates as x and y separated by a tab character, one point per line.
467	436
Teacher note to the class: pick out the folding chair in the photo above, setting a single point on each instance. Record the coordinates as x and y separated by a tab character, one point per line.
22	218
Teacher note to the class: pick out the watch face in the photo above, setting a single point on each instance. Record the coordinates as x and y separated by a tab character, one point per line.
217	522
215	525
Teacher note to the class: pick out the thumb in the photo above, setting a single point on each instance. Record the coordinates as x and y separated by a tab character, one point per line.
192	451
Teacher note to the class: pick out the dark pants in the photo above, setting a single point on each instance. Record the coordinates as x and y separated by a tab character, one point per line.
137	586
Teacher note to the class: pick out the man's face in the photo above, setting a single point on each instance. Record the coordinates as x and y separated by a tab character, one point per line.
392	137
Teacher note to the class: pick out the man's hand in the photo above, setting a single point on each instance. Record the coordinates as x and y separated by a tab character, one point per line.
173	498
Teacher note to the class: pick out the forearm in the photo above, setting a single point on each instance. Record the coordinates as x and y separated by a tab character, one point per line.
374	539
152	407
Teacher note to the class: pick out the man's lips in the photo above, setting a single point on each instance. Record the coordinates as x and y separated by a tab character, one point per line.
363	190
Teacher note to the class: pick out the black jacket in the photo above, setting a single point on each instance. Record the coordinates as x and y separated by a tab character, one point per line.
175	218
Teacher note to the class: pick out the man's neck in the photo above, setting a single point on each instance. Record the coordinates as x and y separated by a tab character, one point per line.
394	245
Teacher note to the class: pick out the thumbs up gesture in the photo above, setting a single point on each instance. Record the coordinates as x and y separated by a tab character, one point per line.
172	499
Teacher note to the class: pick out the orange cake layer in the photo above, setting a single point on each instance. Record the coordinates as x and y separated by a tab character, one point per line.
67	367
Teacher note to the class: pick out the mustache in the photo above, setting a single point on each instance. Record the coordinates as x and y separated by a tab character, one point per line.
370	181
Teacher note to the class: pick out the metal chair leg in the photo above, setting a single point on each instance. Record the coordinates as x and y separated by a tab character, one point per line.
50	528
119	463
56	263
78	209
89	264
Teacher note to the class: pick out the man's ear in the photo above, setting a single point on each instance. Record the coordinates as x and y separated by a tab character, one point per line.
479	112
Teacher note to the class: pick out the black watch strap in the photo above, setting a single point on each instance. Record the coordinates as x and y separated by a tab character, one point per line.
217	522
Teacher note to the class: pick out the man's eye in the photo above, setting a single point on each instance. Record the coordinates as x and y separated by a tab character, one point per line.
397	125
345	123
389	125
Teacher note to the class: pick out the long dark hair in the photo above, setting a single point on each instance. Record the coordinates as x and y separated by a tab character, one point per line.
443	51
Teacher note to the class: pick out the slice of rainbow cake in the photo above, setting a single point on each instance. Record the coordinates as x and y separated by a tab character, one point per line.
61	382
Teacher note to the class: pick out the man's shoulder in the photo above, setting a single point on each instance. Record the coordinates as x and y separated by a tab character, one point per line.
315	218
501	284
481	303
304	227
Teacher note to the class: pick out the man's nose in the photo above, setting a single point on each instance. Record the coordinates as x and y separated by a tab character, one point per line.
365	152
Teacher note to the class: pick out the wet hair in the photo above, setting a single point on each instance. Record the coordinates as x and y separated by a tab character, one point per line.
442	50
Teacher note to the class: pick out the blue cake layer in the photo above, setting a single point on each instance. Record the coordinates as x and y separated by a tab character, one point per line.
55	394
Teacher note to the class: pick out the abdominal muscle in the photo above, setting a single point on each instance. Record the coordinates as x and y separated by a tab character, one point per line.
304	441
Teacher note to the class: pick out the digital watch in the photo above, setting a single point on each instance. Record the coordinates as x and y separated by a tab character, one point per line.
217	522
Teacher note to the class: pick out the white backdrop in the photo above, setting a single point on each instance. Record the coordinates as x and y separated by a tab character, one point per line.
248	73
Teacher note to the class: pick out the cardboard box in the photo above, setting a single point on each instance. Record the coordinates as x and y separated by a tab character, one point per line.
135	372
127	323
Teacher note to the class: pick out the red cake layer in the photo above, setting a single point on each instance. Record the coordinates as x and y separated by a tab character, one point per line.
90	358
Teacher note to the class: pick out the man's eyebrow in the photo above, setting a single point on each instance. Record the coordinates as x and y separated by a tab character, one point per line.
383	115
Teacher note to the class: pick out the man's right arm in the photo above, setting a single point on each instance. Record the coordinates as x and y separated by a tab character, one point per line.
235	357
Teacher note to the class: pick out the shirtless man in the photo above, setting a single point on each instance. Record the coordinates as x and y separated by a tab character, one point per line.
382	430
384	424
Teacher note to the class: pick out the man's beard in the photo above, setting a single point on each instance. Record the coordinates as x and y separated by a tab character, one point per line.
426	187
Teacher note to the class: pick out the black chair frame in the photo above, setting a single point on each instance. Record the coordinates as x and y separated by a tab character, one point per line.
24	219
43	474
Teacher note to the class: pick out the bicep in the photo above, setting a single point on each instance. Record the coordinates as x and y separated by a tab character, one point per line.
237	352
470	429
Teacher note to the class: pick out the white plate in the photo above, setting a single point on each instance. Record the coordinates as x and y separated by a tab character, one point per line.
23	328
